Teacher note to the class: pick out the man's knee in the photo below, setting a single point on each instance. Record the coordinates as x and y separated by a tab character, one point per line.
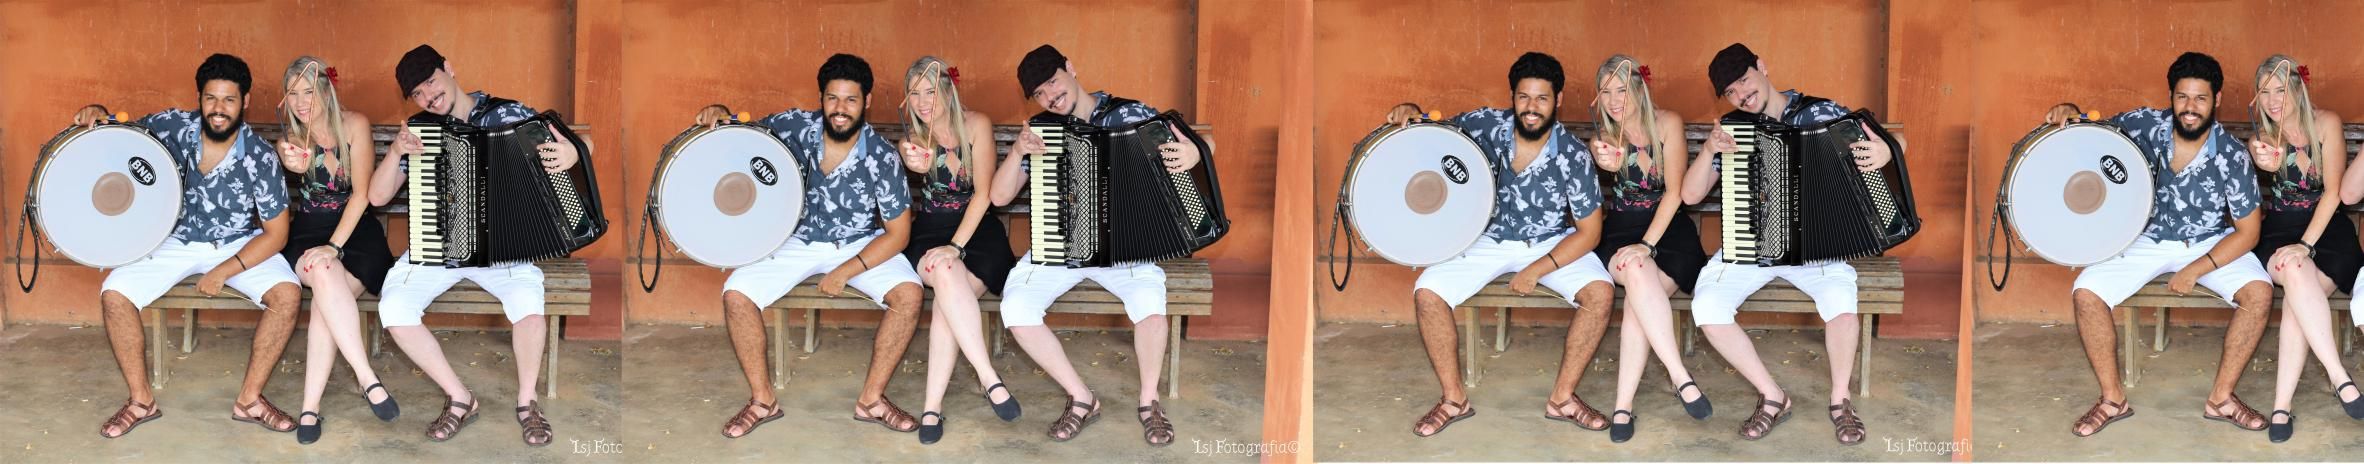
114	302
2254	296
733	301
1427	301
1594	297
2087	301
904	298
281	298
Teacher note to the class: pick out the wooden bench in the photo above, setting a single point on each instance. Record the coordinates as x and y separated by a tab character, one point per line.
566	285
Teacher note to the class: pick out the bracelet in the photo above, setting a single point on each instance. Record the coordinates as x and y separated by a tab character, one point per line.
2310	248
241	262
2212	266
1555	261
865	262
340	250
1653	249
964	251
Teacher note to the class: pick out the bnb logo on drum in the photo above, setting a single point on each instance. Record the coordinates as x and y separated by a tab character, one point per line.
1455	170
764	172
142	172
2113	169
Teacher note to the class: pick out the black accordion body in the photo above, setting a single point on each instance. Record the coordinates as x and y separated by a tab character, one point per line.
1792	195
479	196
1102	196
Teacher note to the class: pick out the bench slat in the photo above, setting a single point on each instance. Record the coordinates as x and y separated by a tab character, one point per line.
1879	284
566	292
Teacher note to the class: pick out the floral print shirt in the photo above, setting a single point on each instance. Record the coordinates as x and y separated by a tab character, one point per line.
231	201
851	201
2199	202
1536	203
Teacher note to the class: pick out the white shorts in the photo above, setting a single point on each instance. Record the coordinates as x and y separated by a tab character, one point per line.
146	280
2355	306
2118	278
1031	288
411	287
1723	286
1459	278
766	281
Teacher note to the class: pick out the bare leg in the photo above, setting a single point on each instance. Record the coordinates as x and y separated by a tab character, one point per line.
1839	337
270	339
2240	342
419	343
941	352
2099	333
318	361
963	321
1657	322
1734	345
886	352
1441	339
1149	350
742	319
1631	360
339	319
2290	356
129	341
526	337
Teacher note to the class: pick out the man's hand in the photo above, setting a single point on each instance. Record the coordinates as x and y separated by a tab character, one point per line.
834	283
1403	114
558	154
405	145
712	115
2062	114
1028	144
90	115
211	284
1720	142
1524	282
1870	155
1180	154
2181	284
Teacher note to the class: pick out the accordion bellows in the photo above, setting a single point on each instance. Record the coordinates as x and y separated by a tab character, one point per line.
1793	195
479	196
1102	196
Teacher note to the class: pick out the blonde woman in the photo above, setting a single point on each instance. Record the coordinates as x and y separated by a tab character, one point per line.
2308	246
338	249
1651	247
962	251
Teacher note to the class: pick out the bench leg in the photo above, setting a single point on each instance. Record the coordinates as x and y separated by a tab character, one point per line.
1689	329
156	349
1173	356
1501	329
993	324
188	330
2126	352
779	349
2159	332
377	330
1469	348
550	357
812	322
1863	349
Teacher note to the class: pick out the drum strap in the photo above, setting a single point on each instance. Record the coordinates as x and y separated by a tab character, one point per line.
2008	237
1338	221
648	281
23	224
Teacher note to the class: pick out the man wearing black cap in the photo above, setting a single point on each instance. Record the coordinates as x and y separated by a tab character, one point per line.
1544	184
1740	78
430	83
233	221
853	232
1049	80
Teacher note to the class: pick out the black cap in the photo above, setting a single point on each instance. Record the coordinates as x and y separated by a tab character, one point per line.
1038	67
1729	65
416	67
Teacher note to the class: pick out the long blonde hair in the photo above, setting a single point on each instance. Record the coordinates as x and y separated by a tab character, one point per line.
313	70
934	70
2267	128
1627	70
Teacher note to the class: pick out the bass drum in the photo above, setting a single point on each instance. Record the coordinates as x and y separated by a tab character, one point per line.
1418	193
2077	194
106	195
728	195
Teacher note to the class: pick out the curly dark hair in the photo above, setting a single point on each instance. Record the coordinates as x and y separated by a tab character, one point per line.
1536	65
846	68
223	67
2196	65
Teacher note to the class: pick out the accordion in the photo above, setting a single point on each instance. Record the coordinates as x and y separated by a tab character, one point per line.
1102	196
479	197
1793	195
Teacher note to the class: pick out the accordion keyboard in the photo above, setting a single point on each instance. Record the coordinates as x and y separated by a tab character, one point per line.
426	217
1047	217
1740	239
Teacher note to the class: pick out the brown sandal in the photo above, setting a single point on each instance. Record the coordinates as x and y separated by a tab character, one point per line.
1851	431
888	419
449	425
2239	418
1761	423
2096	419
124	420
1069	424
1583	417
1436	416
537	428
270	415
1155	428
746	420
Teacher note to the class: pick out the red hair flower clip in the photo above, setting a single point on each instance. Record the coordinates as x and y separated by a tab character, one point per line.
2304	77
331	74
1644	72
952	74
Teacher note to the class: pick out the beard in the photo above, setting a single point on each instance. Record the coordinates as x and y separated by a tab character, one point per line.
236	122
850	129
1540	129
2193	134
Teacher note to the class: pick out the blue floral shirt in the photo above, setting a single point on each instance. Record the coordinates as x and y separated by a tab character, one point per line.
849	202
2200	202
494	116
231	201
1536	203
1798	113
1106	115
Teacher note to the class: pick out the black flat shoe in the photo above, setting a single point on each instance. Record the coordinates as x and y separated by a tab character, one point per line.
1699	408
306	434
2355	408
928	434
387	410
2280	432
1006	410
1619	433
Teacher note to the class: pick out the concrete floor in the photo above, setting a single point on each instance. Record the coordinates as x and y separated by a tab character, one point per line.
1375	383
2033	381
62	383
685	383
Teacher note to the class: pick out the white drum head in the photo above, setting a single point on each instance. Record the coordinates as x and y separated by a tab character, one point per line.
106	196
728	196
1419	194
2080	194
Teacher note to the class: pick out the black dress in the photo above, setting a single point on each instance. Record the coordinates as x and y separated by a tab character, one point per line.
1631	202
944	201
318	205
2290	197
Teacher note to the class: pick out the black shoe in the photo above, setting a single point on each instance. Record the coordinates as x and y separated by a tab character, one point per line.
2355	408
1699	408
2280	432
928	434
1007	410
386	411
1619	433
306	434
